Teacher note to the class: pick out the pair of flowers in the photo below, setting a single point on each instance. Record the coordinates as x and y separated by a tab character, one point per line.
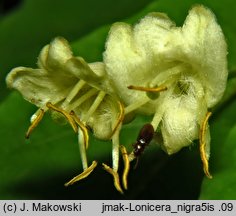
174	73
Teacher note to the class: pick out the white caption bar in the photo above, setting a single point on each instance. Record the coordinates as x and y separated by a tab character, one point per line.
117	207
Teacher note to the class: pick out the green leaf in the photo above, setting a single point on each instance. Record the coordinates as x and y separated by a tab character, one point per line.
223	159
36	22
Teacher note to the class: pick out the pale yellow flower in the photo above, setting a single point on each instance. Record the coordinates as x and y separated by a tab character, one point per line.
76	90
189	64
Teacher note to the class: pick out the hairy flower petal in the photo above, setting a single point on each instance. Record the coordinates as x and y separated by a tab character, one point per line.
189	60
204	47
38	86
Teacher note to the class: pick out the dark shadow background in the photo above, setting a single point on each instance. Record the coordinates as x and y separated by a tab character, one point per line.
156	177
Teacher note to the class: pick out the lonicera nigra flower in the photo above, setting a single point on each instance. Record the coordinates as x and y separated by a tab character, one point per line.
176	74
187	63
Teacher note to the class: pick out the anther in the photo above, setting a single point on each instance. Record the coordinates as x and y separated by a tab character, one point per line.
126	166
83	175
203	145
82	127
147	89
67	115
119	119
34	123
115	177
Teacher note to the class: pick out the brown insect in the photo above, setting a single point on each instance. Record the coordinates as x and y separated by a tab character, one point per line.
145	136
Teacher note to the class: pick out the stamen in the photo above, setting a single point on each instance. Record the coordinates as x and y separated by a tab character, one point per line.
203	145
73	92
82	149
136	105
169	74
82	127
83	98
95	105
83	140
35	123
67	115
126	166
157	118
115	176
120	118
115	149
147	89
82	175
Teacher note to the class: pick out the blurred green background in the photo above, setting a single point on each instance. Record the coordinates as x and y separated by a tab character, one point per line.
39	167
